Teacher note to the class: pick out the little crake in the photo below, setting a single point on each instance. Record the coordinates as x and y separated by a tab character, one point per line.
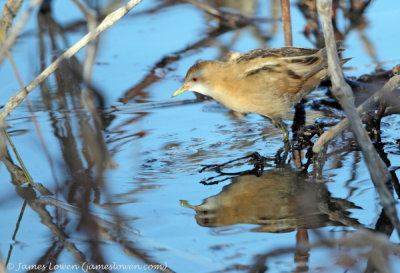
262	81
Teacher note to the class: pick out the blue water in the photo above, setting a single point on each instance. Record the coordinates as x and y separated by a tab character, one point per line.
159	154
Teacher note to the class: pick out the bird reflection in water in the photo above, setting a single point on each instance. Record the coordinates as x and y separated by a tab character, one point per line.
281	200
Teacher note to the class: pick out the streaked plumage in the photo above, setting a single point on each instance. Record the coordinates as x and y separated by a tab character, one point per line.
262	81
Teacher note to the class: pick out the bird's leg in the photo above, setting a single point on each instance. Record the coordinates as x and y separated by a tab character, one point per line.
278	123
281	159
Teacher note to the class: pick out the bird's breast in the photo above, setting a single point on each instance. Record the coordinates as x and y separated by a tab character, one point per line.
267	102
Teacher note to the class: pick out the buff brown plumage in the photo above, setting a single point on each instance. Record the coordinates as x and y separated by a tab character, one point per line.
262	81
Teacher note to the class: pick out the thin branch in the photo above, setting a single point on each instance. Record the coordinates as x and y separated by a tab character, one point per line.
342	91
91	18
287	22
34	118
108	21
9	42
16	229
327	136
10	10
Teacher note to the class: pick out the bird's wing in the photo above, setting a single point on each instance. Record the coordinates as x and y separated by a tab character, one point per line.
296	62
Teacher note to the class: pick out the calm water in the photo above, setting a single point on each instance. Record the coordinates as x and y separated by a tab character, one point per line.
153	204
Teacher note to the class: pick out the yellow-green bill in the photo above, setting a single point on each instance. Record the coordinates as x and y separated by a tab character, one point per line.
179	91
185	204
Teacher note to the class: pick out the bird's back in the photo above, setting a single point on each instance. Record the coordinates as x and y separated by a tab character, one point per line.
278	76
291	66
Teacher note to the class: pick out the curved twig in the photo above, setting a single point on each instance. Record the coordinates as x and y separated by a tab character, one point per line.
327	136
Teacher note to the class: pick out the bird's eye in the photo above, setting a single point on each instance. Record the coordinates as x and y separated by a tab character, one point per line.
194	79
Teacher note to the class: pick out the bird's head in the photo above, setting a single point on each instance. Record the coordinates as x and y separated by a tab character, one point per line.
198	78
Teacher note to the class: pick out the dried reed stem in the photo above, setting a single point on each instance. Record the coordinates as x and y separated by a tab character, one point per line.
327	136
287	22
108	21
342	91
10	10
9	42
